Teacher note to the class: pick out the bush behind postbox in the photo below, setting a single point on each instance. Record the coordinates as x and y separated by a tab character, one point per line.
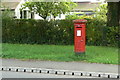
59	32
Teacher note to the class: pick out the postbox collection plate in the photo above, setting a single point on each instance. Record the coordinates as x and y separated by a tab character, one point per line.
78	32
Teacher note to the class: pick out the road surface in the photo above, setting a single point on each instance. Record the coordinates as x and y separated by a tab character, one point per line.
7	74
74	66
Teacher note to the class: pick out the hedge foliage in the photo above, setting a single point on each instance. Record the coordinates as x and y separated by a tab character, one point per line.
100	34
57	32
38	32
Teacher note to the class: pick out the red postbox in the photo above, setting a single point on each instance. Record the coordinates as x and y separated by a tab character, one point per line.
79	35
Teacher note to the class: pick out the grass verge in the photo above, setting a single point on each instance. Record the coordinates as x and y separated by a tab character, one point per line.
94	54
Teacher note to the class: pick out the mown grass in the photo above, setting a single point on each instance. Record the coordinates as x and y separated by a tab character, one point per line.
94	54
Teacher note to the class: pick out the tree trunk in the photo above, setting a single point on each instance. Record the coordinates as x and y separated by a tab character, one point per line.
54	17
113	15
44	17
119	13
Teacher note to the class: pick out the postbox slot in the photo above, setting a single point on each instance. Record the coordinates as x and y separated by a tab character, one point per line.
78	27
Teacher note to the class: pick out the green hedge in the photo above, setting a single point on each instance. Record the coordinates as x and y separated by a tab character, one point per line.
38	31
56	32
99	34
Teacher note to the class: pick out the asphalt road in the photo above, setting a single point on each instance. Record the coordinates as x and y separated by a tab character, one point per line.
7	74
74	66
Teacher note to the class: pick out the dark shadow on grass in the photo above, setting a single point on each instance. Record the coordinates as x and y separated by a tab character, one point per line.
81	57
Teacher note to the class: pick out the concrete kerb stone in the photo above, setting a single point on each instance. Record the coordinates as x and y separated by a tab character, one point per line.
19	69
5	68
44	71
93	74
103	75
112	75
34	70
86	73
1	68
68	73
38	70
51	71
61	72
78	73
14	69
28	70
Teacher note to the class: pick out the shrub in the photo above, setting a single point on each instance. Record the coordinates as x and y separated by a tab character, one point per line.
7	14
37	31
71	17
57	32
112	36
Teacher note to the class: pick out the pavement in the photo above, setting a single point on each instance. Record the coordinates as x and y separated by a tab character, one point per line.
74	66
7	74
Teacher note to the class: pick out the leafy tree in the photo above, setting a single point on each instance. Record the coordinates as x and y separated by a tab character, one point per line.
113	16
45	9
62	8
101	12
7	14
